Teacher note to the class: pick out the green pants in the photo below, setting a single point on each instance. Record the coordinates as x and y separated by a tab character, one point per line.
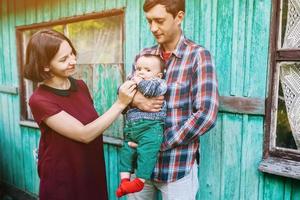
148	135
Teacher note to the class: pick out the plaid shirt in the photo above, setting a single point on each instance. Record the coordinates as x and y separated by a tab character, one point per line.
192	106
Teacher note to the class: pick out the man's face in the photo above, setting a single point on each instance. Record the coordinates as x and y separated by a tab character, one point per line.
162	24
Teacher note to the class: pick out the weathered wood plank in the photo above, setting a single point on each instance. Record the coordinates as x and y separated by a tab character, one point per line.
89	6
295	189
132	26
208	25
17	135
210	169
197	28
273	187
290	55
106	139
26	155
2	141
287	189
252	136
259	57
106	79
231	156
236	51
12	137
99	5
9	89
19	12
12	44
5	43
188	25
8	143
8	35
246	142
30	11
121	3
47	12
242	105
112	165
80	7
65	10
146	37
248	39
223	46
281	167
34	145
110	4
54	9
238	48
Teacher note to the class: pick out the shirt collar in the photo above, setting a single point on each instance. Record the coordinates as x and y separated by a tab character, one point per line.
157	49
178	51
60	92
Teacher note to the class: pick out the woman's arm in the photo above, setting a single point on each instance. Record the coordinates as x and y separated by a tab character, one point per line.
70	127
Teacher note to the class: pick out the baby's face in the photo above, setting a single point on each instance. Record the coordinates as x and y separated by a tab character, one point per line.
148	68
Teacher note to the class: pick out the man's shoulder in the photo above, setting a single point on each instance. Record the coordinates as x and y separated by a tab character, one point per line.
194	45
149	50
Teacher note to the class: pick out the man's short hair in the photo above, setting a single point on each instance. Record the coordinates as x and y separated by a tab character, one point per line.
172	6
41	49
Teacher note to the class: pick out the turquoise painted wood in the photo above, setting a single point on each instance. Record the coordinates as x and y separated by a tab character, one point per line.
236	33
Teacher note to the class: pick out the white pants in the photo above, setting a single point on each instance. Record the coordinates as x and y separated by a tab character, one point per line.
185	188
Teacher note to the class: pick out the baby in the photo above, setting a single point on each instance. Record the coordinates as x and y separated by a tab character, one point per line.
144	128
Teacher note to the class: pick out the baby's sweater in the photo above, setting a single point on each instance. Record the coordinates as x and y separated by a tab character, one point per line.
149	88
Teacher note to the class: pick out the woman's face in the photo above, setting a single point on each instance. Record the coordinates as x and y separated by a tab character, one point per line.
63	63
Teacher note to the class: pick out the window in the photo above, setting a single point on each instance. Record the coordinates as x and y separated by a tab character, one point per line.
282	138
98	39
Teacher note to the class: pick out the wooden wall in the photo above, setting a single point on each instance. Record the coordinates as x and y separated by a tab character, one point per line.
236	33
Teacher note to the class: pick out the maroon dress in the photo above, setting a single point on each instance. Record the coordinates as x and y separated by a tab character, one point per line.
68	170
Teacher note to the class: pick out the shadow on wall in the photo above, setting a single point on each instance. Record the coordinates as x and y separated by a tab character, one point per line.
12	193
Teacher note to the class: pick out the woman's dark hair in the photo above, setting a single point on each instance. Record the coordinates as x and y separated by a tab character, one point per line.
172	6
41	49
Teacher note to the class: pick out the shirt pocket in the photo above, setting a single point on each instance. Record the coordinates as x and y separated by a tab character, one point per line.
179	95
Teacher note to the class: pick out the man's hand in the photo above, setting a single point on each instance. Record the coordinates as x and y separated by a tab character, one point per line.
153	104
132	144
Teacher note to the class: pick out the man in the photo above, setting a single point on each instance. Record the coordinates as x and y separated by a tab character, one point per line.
192	102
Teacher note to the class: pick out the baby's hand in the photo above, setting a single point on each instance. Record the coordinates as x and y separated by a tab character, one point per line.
137	79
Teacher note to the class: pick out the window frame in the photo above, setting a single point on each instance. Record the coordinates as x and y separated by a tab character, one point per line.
277	160
24	120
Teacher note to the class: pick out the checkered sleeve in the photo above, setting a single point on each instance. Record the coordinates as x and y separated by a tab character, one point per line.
204	101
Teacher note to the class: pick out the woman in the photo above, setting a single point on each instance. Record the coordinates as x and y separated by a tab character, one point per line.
71	163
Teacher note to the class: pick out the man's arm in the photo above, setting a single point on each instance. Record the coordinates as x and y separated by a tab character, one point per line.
205	105
143	103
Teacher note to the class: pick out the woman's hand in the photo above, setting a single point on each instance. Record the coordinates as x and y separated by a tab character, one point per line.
126	93
136	79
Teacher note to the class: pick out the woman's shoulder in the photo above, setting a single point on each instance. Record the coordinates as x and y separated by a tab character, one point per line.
39	94
78	82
